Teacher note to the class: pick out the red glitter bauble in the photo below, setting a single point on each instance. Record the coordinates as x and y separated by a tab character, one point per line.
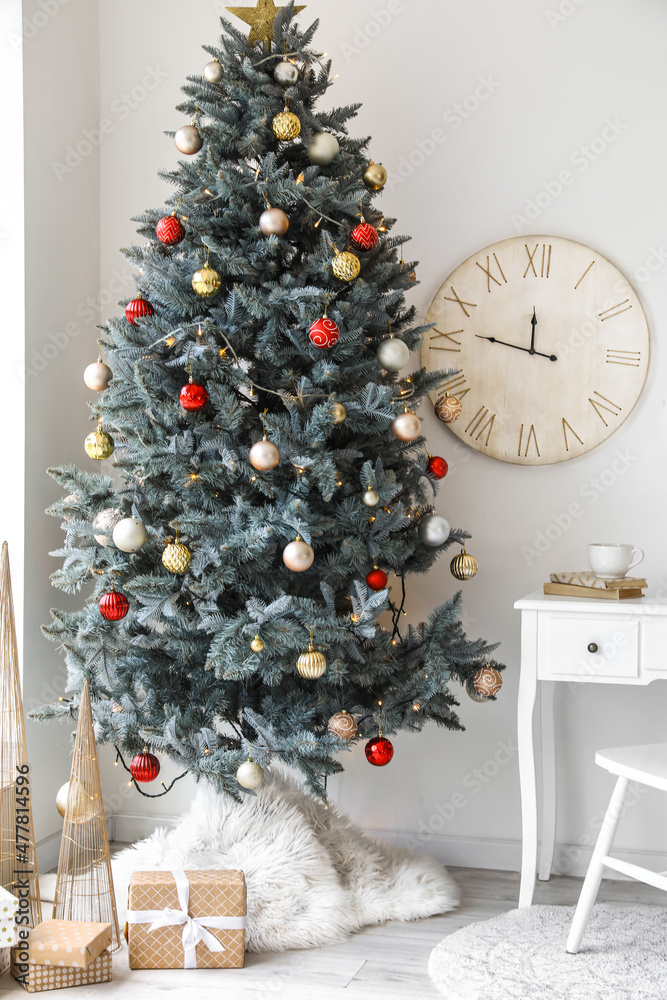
324	332
136	308
170	230
193	397
364	236
379	751
437	467
145	767
376	579
114	606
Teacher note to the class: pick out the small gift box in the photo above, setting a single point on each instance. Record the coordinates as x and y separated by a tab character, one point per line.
186	920
73	943
5	954
36	978
9	904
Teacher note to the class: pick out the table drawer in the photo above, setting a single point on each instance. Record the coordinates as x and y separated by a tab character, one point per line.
564	651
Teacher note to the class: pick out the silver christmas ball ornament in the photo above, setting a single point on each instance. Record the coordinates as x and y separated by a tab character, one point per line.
371	497
97	376
433	530
188	140
106	521
273	222
323	148
298	556
407	426
129	534
286	73
393	354
213	71
264	455
249	774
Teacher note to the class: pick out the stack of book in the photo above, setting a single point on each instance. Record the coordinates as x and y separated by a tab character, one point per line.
587	584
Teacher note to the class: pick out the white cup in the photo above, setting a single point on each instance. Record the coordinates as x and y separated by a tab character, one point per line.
612	561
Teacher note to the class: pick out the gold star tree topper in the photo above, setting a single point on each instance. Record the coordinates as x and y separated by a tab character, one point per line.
260	19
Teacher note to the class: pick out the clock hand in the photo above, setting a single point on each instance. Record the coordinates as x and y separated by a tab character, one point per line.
533	323
517	347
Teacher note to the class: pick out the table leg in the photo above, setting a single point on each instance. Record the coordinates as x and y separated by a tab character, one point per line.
526	707
548	744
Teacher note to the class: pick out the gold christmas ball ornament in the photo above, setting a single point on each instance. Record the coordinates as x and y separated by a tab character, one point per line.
97	376
273	222
249	774
106	521
264	455
257	645
312	664
343	724
338	413
286	126
345	265
298	555
206	281
487	681
188	140
213	71
463	566
375	176
83	806
98	444
176	557
448	409
407	426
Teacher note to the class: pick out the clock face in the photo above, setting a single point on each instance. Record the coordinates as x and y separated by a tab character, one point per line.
550	344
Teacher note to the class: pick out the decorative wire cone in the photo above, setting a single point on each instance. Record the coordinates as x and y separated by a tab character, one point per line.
84	884
14	794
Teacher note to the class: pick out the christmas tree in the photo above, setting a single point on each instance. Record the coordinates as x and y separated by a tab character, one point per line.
270	472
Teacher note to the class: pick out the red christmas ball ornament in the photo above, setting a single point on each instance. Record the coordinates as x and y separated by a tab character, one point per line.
193	397
376	579
379	751
170	230
437	467
114	606
138	307
324	332
145	766
364	236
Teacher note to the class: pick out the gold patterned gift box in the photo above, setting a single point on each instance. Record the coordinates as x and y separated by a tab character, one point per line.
186	920
37	978
75	943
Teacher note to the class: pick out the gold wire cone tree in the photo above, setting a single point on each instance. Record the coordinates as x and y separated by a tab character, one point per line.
18	859
84	884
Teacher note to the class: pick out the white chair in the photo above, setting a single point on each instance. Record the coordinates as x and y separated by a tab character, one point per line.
648	766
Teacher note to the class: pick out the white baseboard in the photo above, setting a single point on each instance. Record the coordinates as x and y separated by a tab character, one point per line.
460	852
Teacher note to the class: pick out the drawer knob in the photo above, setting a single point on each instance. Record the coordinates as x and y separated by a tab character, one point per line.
592	647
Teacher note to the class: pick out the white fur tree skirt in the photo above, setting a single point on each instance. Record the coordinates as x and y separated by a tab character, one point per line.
312	877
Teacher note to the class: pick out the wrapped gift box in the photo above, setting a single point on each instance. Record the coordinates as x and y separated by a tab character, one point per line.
9	904
193	919
5	954
36	978
73	943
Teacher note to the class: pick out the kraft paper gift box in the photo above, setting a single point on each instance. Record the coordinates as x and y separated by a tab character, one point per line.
5	958
74	943
9	904
186	920
37	978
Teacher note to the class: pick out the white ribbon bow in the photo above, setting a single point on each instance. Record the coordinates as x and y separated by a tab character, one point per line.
194	928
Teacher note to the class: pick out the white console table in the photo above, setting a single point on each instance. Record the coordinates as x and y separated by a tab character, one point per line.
582	640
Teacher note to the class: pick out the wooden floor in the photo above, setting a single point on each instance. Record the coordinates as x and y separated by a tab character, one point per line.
380	962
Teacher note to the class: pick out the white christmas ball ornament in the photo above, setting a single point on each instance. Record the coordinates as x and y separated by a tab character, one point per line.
213	71
129	534
393	354
249	774
106	521
371	497
97	376
323	148
407	426
286	73
298	556
264	455
433	530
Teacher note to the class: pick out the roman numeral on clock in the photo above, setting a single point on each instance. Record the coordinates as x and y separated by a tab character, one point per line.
455	386
449	337
539	264
483	421
602	403
490	277
461	302
530	436
631	359
568	427
616	310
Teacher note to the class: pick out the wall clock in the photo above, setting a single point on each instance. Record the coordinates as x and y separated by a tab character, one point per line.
551	345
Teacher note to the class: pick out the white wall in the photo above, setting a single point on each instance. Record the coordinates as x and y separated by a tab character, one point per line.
544	87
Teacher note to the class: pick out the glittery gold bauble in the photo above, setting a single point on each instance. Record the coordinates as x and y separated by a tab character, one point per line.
99	444
487	681
264	455
463	566
338	413
249	774
343	724
345	266
206	281
286	126
176	557
375	176
83	806
448	409
312	664
188	140
257	645
407	426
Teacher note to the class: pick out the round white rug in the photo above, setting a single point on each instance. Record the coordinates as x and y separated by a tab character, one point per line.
521	956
